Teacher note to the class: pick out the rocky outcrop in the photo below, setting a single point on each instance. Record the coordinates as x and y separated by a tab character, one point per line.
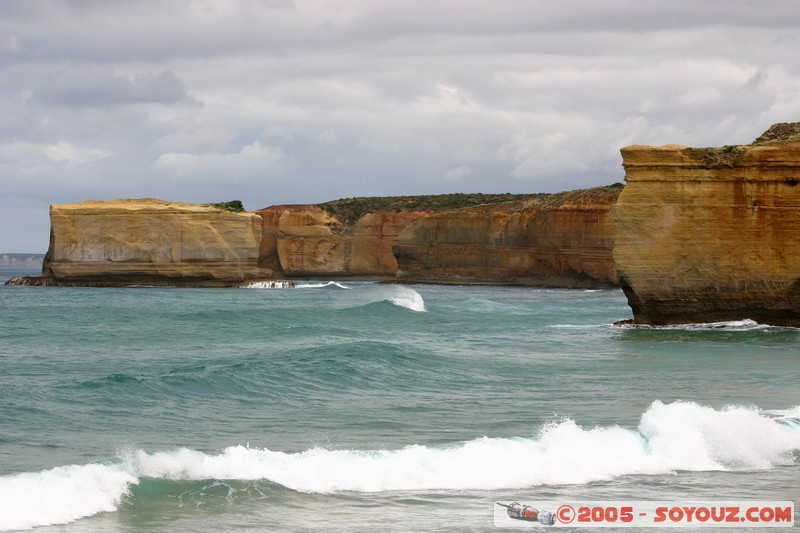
152	242
712	234
563	240
307	241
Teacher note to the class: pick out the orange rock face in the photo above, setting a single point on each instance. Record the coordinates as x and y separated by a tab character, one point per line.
305	241
707	235
564	243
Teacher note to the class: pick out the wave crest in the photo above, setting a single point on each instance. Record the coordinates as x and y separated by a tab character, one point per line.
61	495
669	438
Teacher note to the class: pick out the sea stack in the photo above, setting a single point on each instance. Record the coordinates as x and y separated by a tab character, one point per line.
712	234
152	242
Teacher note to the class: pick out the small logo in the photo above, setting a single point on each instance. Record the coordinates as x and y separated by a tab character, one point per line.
565	514
529	514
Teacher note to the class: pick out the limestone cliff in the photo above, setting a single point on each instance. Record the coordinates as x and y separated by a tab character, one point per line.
712	234
150	241
307	241
562	240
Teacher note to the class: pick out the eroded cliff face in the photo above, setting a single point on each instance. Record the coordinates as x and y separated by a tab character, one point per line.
564	241
306	241
707	235
123	242
560	240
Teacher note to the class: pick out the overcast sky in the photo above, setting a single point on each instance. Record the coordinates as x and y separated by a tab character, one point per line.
305	101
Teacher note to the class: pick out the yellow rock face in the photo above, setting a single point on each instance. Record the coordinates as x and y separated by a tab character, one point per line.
152	241
304	240
565	245
708	235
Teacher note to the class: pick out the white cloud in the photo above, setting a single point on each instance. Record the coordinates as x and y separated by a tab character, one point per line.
330	136
356	97
455	174
196	138
547	157
61	152
15	46
254	159
73	155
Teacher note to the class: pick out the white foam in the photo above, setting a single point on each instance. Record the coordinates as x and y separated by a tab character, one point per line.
406	297
670	437
269	285
330	284
740	325
60	495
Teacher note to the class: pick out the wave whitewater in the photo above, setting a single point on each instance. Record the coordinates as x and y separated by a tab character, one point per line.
329	285
669	437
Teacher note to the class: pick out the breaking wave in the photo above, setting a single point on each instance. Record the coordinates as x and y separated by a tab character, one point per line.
669	438
329	285
740	325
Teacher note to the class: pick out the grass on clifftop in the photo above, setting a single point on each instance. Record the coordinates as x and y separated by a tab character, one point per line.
781	132
234	206
349	210
731	156
727	156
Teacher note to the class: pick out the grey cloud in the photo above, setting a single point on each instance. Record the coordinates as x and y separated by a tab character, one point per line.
305	102
86	85
113	31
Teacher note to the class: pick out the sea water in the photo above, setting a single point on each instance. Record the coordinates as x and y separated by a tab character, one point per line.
359	406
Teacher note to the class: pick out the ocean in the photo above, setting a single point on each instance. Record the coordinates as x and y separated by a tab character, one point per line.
360	406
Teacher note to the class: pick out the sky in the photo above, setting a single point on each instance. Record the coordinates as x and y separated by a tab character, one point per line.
304	101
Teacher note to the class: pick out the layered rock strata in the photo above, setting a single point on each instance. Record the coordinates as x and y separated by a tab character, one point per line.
124	242
712	234
306	241
563	240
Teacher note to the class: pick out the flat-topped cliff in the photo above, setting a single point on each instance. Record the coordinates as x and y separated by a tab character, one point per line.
712	234
149	241
560	240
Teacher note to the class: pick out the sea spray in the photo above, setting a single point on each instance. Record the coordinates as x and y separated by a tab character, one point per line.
670	437
284	284
328	285
60	495
407	297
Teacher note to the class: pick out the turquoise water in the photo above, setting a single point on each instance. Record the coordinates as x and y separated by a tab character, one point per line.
367	407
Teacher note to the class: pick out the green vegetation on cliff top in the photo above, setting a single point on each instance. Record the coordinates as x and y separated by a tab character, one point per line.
731	156
781	132
349	210
234	206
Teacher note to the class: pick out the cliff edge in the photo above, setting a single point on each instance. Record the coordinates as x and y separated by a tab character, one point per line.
559	240
153	242
556	240
712	234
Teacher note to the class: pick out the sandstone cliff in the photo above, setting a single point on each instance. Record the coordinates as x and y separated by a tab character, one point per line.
152	242
306	241
712	234
562	240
